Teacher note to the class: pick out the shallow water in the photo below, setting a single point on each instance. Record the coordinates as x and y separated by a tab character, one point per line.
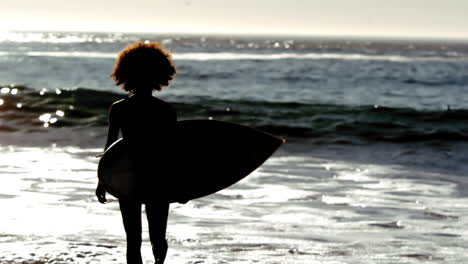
300	207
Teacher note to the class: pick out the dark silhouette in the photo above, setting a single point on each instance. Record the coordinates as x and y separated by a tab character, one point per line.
145	123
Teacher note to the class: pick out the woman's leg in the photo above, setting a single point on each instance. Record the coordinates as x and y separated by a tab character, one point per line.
157	221
131	215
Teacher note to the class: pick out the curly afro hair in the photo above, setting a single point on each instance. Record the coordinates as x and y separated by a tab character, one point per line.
143	66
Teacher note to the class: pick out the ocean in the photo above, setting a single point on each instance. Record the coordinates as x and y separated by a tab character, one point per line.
373	171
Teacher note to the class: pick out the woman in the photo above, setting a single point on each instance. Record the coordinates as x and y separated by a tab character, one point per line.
146	123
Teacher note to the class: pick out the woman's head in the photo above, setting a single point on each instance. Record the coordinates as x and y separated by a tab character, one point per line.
143	66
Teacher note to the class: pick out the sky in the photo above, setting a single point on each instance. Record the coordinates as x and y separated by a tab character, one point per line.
384	18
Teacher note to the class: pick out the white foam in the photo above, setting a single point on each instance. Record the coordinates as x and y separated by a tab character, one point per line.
210	56
303	56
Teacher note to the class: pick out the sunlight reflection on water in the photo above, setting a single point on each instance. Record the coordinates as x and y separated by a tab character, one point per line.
292	210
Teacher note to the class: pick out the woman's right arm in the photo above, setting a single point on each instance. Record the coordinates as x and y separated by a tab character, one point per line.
114	128
112	136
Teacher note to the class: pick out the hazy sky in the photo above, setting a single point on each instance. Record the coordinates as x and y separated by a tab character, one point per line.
418	18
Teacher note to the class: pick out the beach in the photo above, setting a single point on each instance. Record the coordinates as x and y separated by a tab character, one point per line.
374	169
326	211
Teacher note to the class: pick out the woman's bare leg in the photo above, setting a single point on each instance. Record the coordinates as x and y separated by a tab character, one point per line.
131	215
157	221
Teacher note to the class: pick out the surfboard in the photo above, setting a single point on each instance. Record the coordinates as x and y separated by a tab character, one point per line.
207	156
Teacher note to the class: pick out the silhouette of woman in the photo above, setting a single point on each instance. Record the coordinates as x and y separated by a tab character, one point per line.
145	123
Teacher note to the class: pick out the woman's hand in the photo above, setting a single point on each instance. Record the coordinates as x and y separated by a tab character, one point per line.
101	194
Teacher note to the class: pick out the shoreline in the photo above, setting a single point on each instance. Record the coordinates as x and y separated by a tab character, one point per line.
294	209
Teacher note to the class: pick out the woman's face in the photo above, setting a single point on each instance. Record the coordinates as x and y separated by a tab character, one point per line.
164	82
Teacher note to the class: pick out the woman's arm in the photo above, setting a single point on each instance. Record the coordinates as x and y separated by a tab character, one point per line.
112	136
114	128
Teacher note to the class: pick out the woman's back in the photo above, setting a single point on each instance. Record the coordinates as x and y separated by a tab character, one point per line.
145	121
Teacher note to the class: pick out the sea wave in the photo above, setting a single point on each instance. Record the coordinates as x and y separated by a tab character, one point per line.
27	109
227	56
61	54
306	56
